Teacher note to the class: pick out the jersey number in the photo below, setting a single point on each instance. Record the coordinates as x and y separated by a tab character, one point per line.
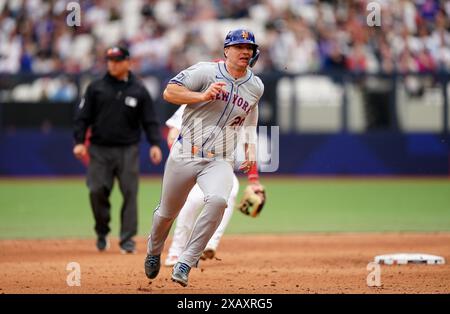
238	121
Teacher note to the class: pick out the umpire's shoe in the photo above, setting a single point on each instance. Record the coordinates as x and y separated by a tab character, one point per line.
128	247
152	265
102	243
180	273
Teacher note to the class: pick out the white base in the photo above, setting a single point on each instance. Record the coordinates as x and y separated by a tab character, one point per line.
405	258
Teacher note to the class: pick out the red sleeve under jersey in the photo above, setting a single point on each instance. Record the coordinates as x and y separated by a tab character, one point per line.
253	175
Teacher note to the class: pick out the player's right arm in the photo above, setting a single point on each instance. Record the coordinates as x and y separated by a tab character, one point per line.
179	95
193	85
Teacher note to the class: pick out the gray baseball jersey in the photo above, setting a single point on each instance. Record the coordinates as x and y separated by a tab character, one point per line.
214	125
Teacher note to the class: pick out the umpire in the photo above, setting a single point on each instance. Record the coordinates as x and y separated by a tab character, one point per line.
115	107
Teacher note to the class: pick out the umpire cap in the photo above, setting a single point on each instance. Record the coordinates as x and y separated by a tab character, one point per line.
117	53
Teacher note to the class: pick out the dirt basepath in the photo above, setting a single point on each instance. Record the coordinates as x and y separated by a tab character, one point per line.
309	263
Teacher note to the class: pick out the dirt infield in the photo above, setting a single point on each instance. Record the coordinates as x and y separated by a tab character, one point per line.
308	263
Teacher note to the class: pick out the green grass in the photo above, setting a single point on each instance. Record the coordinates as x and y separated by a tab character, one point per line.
60	207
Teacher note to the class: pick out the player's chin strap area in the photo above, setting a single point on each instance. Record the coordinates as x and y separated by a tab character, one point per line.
253	59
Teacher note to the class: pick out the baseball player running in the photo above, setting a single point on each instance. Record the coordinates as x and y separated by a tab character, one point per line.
195	201
221	98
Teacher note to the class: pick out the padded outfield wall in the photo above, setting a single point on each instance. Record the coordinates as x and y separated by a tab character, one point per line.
329	123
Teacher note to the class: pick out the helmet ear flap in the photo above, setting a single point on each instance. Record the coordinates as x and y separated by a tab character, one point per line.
253	59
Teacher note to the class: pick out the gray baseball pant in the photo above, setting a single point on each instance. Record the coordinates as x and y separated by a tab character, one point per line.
215	178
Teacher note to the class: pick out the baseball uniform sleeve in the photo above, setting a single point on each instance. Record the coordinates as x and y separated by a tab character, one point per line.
193	78
176	119
149	119
84	115
250	124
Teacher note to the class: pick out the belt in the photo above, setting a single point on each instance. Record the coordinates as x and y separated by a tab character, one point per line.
195	150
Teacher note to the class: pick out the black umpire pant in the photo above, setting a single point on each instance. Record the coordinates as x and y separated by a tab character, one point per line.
107	163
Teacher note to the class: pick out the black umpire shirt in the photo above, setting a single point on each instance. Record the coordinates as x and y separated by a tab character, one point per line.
115	110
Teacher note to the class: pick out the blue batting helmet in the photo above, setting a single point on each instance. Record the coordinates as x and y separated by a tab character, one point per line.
242	36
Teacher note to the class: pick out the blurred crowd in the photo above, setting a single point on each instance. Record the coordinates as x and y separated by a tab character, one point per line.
295	36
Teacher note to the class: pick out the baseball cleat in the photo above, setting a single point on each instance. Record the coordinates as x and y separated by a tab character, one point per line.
208	254
102	243
180	273
171	260
152	265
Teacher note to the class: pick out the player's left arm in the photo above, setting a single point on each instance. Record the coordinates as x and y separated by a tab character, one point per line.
255	185
253	175
250	140
254	197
